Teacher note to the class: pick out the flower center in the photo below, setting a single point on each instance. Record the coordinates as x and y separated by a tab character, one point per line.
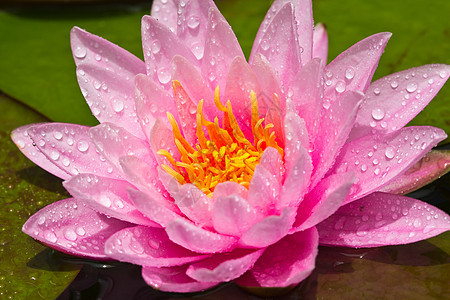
224	154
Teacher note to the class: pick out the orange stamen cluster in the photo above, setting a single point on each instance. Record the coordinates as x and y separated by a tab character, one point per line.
226	156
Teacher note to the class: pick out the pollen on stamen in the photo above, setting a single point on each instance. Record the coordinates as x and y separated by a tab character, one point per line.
224	154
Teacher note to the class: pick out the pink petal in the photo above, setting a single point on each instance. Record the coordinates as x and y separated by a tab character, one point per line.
241	81
160	45
109	94
323	200
89	49
269	230
392	101
320	42
336	124
376	159
221	47
22	139
187	112
194	84
353	69
107	196
114	142
70	148
152	102
279	44
233	215
228	188
270	105
297	162
192	24
286	263
307	94
382	219
72	227
264	189
161	137
189	236
166	12
304	25
173	279
224	267
434	165
149	247
154	207
146	178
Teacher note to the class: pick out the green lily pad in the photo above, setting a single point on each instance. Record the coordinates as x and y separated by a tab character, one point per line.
26	268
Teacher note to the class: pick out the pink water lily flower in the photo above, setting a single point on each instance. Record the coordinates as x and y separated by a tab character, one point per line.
206	168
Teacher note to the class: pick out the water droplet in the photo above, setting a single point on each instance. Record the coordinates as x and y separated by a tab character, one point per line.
417	223
80	231
154	244
70	234
326	104
97	85
364	168
340	223
58	135
41	220
265	44
117	105
54	155
105	201
193	22
164	75
377	91
378	114
411	88
156	47
340	87
443	73
349	73
394	84
389	152
80	52
83	146
197	49
50	236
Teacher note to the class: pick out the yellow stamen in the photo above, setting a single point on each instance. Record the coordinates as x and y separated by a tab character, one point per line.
226	155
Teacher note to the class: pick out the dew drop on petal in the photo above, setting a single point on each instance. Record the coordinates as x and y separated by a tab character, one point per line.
58	135
193	22
83	146
70	234
80	231
443	74
80	52
54	155
349	73
50	236
378	114
389	152
164	75
340	87
394	84
117	105
156	47
411	88
105	201
376	91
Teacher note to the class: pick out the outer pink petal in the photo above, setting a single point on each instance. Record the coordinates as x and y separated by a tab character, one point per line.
72	227
233	215
149	247
160	45
297	162
241	81
434	165
307	95
174	279
323	200
382	219
392	101
22	139
194	84
337	122
224	267
352	70
110	96
320	42
166	12
279	44
286	263
114	142
269	230
89	49
192	24
107	196
189	236
304	25
161	137
152	102
70	148
153	207
376	159
221	47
